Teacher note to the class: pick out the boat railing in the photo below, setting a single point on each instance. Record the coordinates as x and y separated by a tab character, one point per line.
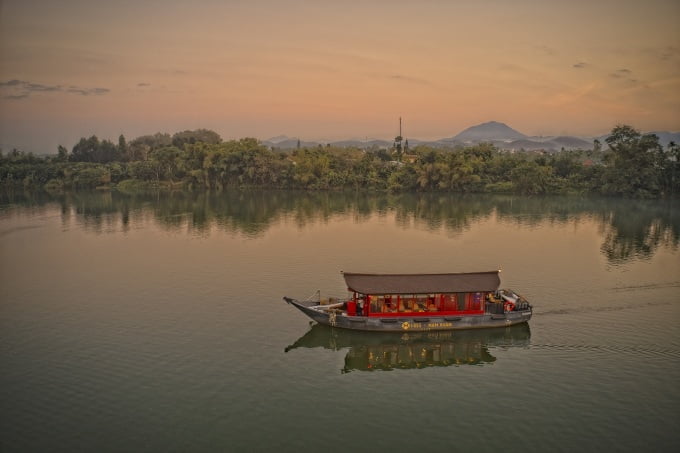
328	307
316	295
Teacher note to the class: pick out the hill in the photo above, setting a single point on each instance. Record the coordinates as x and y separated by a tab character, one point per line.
499	134
490	131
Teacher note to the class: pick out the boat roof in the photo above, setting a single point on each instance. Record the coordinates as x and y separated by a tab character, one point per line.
422	283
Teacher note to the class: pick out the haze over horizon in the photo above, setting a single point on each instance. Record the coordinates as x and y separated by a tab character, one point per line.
330	70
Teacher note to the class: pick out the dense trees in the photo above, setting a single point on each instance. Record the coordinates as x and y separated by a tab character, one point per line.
633	165
93	150
198	136
139	148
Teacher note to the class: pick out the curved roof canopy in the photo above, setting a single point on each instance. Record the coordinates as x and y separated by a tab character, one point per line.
422	283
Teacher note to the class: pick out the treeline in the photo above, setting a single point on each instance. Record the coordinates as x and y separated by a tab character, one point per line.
633	164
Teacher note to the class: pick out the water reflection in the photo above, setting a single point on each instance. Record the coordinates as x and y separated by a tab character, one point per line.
638	230
631	229
369	351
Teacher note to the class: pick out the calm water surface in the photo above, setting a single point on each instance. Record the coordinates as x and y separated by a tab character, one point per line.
155	323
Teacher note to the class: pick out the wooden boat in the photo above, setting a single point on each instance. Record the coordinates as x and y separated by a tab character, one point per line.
420	302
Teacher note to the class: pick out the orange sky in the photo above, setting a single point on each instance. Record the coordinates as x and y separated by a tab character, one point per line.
329	69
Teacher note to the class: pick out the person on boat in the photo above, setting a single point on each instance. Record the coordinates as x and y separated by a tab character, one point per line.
412	305
387	305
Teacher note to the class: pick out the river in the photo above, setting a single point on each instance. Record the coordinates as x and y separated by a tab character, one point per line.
155	322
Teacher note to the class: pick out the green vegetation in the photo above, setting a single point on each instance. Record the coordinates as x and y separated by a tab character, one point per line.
633	165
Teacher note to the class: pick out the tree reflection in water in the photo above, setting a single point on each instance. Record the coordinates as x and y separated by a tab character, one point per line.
631	229
637	229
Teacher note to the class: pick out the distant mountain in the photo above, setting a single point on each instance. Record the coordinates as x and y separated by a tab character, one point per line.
666	137
279	139
548	143
363	143
505	137
285	142
545	144
490	131
525	144
499	134
569	142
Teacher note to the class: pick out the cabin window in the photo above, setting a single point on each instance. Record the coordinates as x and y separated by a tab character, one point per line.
406	303
431	303
450	302
389	304
377	304
361	304
368	301
410	303
462	299
477	301
420	303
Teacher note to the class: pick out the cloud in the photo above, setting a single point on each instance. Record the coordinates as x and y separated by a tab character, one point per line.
87	91
11	83
621	74
409	79
668	53
625	76
38	87
143	84
20	89
546	50
28	86
15	96
580	65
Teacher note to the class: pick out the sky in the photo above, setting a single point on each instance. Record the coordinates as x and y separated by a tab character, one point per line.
328	70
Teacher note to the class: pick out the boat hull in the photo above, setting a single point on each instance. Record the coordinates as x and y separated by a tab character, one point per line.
337	318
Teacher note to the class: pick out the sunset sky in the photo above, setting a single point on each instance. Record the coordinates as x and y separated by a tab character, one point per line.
334	69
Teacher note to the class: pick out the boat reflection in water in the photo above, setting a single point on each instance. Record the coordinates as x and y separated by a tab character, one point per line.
392	351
